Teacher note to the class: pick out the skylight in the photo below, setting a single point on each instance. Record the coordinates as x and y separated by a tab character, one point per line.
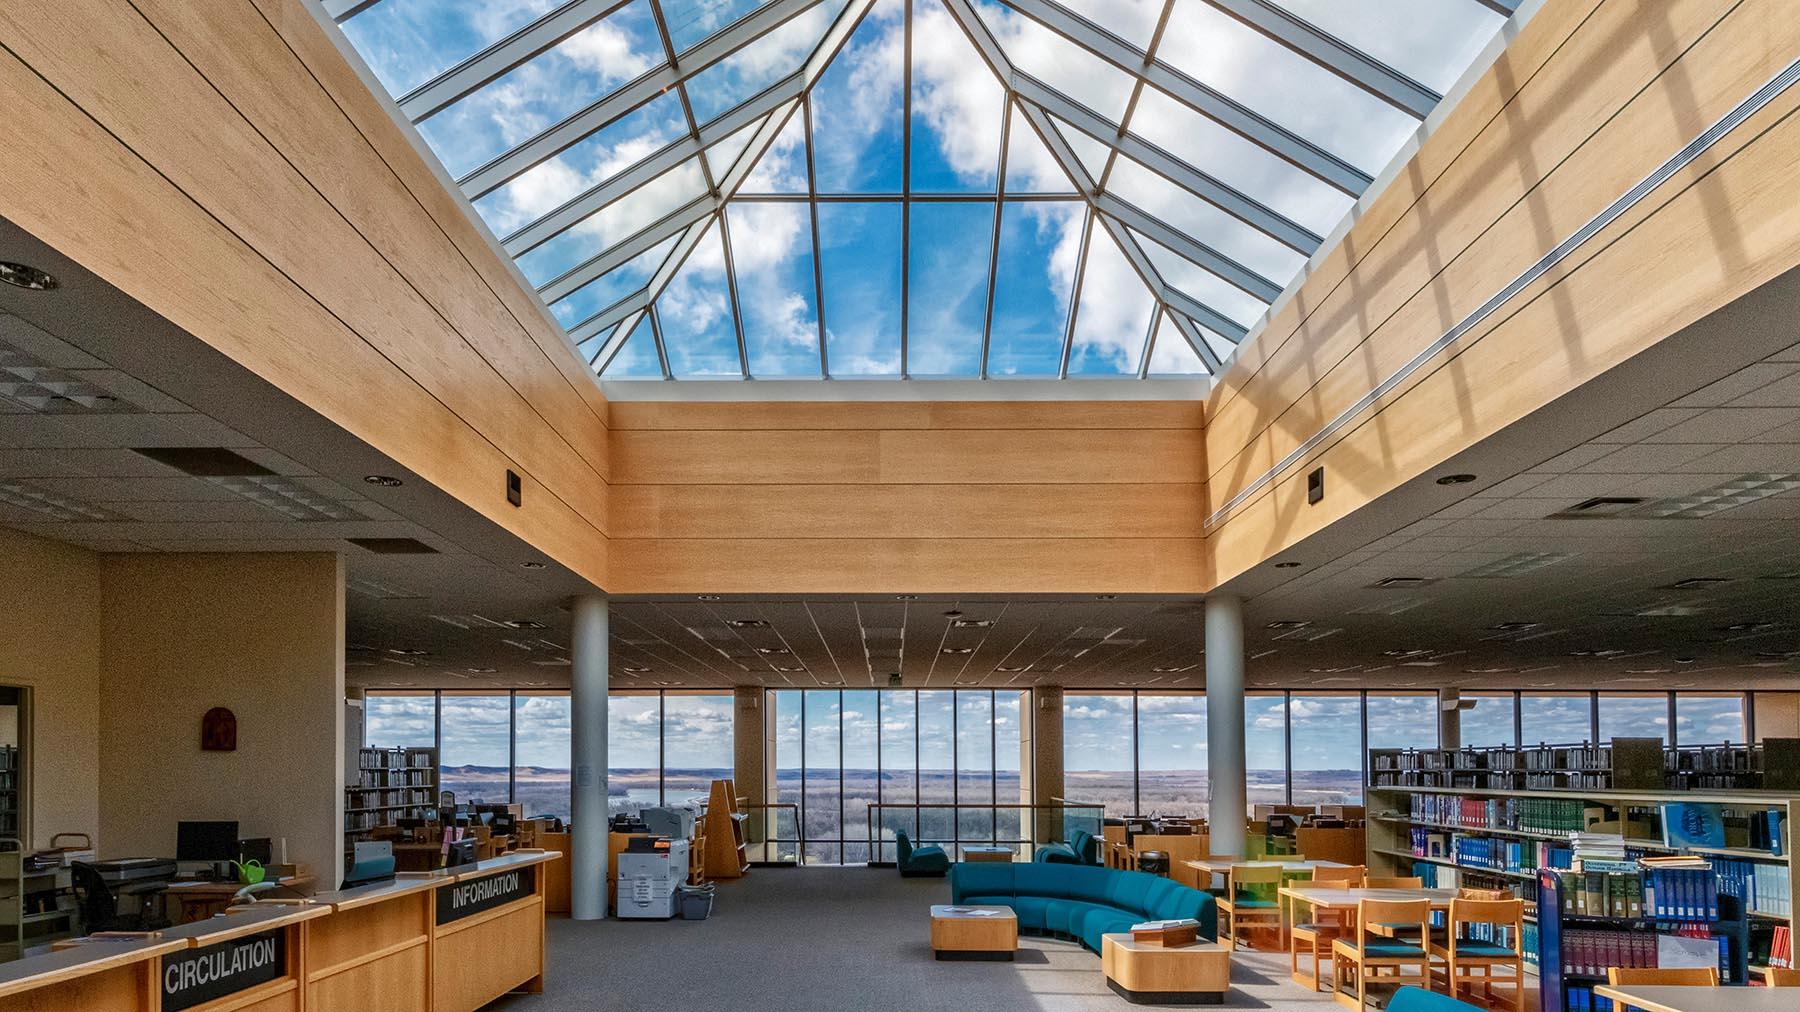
738	189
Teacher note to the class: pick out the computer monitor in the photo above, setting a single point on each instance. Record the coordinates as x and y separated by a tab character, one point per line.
259	849
206	841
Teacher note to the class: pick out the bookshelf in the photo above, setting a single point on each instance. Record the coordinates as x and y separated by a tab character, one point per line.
10	822
1530	843
392	784
1619	764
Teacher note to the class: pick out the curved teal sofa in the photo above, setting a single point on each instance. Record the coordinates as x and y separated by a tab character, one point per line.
1083	848
1078	901
1417	999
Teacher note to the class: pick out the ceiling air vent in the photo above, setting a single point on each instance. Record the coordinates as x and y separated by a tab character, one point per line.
204	461
1401	582
393	546
1600	506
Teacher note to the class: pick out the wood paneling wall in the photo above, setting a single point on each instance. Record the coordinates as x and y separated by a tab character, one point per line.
1590	97
223	164
907	497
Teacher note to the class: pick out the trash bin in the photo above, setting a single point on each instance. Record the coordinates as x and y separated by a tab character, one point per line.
696	901
1156	862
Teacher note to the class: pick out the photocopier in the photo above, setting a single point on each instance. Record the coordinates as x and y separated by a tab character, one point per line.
650	870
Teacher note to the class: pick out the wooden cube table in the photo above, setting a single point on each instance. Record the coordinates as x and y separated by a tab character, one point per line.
1197	974
969	932
1003	855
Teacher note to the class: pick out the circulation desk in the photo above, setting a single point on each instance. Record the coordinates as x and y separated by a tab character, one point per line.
444	941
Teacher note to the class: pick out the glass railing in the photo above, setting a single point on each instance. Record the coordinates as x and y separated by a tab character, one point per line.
964	830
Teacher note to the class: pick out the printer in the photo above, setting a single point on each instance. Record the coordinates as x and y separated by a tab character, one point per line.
650	870
676	823
126	871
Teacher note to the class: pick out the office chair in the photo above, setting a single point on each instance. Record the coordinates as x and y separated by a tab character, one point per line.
99	905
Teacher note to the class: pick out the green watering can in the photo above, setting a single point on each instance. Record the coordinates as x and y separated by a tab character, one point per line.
249	872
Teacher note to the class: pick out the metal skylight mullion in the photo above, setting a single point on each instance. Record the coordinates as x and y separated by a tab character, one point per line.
555	139
553	223
1081	260
731	290
656	334
1272	137
687	107
643	297
1189	248
633	303
1334	54
341	11
610	350
812	214
626	250
496	60
1197	341
1211	318
1150	341
1131	104
987	320
1221	195
905	178
1504	8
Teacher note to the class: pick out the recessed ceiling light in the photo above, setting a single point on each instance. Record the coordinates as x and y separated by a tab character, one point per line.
524	623
772	651
635	669
1287	565
1010	668
407	651
747	623
1402	582
709	597
906	597
385	481
972	623
1698	582
789	668
959	650
531	565
953	613
1456	479
1106	597
26	276
481	671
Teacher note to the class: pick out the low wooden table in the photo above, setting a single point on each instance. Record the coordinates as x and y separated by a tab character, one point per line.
974	932
1001	855
1197	974
1695	998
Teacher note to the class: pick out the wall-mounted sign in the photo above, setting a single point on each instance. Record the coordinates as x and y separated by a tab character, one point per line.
197	976
218	730
454	902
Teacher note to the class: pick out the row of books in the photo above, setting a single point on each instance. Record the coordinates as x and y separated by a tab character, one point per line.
1762	886
1589	952
395	758
1601	894
1781	947
355	822
375	779
1551	816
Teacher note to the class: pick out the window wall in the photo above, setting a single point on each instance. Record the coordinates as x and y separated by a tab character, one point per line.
1556	718
907	757
1171	754
1702	719
514	747
1491	719
1326	748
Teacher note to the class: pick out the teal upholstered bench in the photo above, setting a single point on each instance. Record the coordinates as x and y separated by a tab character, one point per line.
919	862
1417	999
1078	901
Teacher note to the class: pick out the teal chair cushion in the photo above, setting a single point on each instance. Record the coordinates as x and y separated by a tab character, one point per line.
1086	848
1056	853
1392	950
1469	948
1417	999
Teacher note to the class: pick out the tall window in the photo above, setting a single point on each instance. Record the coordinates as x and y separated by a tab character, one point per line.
633	753
1265	749
937	764
400	720
541	746
1634	715
1489	721
1325	740
1171	738
697	744
1403	720
475	756
1556	718
822	813
1097	760
899	761
1012	763
1706	719
861	770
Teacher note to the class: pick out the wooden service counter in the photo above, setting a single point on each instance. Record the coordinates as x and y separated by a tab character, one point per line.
445	941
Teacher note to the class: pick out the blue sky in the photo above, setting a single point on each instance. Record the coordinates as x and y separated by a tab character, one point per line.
858	147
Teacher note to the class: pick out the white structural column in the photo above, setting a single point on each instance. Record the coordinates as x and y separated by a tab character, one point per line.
1225	723
587	718
1450	718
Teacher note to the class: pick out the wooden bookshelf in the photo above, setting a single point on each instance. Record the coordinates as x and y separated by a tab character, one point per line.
726	854
393	784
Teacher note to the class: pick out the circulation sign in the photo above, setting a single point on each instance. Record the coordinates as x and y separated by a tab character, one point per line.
197	976
454	902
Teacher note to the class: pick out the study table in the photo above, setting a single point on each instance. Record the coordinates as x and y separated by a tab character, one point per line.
1677	998
444	941
1210	866
1338	899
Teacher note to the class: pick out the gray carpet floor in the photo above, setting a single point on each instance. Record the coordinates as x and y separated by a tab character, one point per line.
836	939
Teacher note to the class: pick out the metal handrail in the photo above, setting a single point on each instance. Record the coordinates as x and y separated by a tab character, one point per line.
1029	826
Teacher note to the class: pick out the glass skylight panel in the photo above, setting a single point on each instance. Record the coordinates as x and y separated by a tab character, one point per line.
958	107
637	359
1033	281
690	21
618	220
1430	41
1131	20
540	93
1188	214
699	327
771	249
1238	163
771	57
1284	86
858	108
626	279
1030	168
723	155
859	257
1112	321
409	42
1057	62
1201	285
1171	355
1091	153
947	287
782	168
600	156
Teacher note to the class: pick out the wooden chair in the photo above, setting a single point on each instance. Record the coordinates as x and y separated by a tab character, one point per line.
1678	976
1484	894
1353	876
1244	904
1366	957
1318	931
1781	976
1403	882
1472	964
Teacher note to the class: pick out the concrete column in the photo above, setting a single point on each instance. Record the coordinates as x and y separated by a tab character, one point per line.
748	769
1226	785
587	718
1449	718
1047	760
